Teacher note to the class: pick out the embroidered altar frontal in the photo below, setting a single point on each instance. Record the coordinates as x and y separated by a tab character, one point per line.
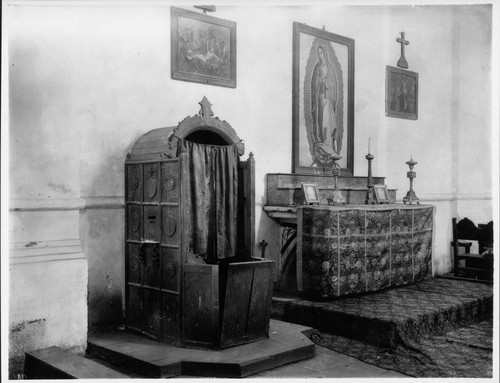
354	249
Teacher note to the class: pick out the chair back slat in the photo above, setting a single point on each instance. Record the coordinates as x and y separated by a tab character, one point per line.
466	229
467	265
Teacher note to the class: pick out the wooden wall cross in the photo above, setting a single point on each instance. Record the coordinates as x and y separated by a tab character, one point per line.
402	63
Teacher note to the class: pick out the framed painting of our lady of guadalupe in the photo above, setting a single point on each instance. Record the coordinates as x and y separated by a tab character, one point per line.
323	101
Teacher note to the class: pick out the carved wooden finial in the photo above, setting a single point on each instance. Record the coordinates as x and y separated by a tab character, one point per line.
206	110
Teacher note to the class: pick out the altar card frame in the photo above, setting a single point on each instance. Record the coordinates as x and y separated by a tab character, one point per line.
312	143
381	193
311	193
190	62
401	93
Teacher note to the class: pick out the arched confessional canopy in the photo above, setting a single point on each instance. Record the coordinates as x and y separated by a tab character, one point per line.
191	278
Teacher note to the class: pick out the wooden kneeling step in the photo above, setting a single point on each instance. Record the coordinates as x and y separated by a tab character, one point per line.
56	363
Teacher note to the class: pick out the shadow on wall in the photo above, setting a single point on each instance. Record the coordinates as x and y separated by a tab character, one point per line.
266	230
102	227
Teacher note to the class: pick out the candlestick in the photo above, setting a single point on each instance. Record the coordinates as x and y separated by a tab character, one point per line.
411	196
370	197
337	197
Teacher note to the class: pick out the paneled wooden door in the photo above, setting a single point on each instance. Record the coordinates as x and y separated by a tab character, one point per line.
153	248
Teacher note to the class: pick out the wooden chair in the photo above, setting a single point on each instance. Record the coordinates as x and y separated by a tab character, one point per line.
472	265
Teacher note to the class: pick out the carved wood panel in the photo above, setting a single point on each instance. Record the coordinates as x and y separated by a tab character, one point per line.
201	304
171	227
152	268
134	222
134	182
152	312
152	221
151	183
170	312
135	263
171	268
135	307
170	182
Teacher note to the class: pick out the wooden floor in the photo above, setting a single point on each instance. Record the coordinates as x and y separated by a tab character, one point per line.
144	357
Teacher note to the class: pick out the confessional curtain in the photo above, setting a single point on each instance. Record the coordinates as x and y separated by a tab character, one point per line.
212	200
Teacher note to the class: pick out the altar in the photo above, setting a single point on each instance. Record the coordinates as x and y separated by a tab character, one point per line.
352	249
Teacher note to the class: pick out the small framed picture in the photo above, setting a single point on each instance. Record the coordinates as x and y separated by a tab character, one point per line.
381	193
401	93
311	193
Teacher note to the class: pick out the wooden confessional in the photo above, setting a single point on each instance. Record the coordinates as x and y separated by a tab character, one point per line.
172	294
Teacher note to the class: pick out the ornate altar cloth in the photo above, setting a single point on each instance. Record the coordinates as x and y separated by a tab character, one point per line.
359	248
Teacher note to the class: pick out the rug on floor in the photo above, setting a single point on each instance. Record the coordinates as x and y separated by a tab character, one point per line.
395	316
463	353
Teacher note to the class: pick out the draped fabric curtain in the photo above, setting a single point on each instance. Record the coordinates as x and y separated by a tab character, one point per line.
212	200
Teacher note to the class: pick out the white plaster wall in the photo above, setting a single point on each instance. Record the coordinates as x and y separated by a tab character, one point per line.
430	139
48	305
474	144
47	269
87	81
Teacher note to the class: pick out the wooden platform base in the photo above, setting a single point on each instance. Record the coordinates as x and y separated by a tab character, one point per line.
287	343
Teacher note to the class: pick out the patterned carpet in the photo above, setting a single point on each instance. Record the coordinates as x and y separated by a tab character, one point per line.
434	328
462	353
394	316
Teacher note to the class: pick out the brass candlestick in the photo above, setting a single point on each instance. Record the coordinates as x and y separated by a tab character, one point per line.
411	196
370	197
337	198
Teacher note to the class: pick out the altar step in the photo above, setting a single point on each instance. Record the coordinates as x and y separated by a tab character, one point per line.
395	316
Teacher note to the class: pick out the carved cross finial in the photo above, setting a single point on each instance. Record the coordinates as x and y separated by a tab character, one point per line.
206	110
402	63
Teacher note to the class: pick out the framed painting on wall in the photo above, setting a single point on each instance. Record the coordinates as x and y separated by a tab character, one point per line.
401	93
323	101
203	48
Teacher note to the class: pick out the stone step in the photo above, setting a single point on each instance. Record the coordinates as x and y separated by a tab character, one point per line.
56	363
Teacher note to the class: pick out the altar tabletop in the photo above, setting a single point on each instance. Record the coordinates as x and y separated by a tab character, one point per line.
352	249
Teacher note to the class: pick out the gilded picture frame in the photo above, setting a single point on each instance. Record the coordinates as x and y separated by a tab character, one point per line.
323	101
401	93
203	48
381	193
311	193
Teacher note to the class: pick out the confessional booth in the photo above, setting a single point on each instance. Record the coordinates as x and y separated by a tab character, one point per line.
191	277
